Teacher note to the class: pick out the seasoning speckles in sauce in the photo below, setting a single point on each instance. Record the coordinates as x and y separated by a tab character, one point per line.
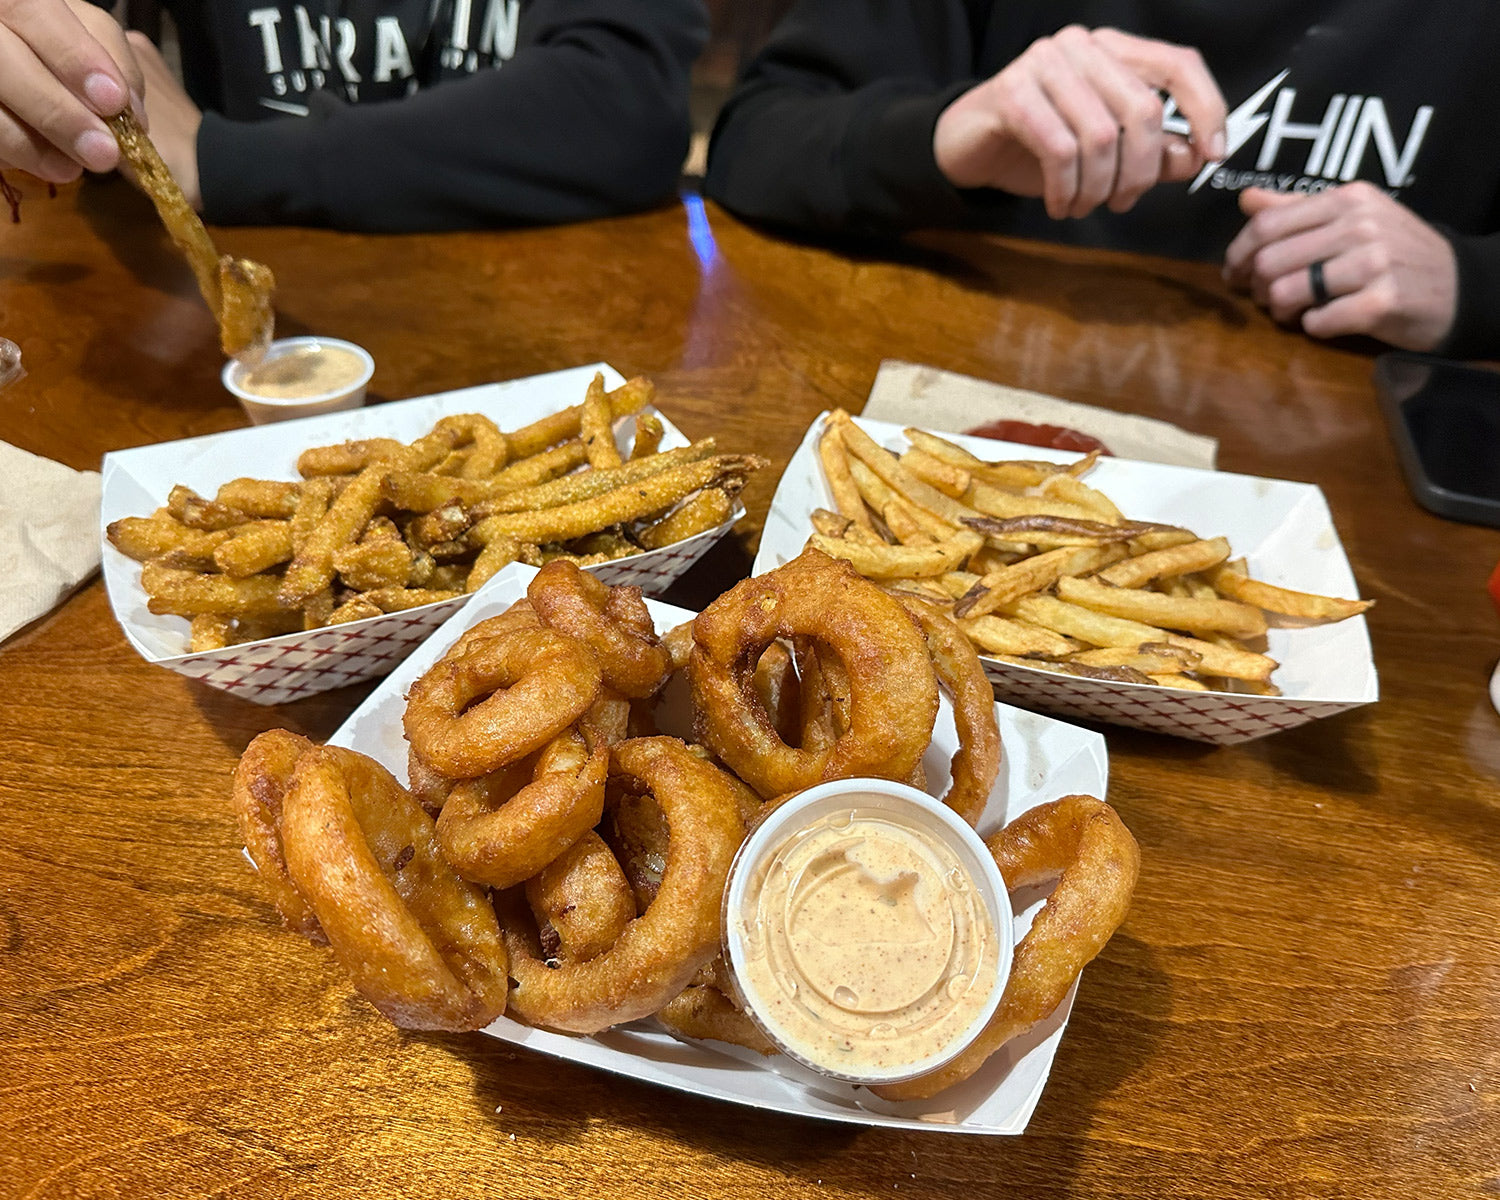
305	372
867	950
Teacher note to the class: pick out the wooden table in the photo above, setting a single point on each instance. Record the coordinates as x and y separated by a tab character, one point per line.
1305	1000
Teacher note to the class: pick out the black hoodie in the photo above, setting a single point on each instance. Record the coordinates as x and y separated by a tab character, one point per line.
831	128
391	115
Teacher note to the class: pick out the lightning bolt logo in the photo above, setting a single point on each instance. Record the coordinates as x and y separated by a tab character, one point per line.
1239	127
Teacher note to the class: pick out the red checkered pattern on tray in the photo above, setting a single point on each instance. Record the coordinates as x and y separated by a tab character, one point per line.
1201	716
296	666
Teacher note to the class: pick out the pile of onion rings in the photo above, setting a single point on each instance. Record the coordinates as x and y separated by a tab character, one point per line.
559	859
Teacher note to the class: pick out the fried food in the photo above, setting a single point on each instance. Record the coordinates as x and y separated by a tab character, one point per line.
377	525
262	778
421	944
237	291
611	621
1042	570
1082	844
892	690
500	699
660	951
504	827
582	902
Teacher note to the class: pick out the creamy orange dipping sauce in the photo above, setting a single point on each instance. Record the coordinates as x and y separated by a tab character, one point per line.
867	949
305	372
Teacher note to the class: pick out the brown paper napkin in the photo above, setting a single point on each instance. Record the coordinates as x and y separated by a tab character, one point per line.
49	534
908	394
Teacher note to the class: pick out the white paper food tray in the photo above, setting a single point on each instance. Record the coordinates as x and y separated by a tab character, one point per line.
1042	760
295	665
1282	529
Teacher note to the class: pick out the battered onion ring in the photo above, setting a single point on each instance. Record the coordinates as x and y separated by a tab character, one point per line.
893	698
422	945
610	621
428	787
503	828
776	687
659	952
582	901
261	780
1081	842
704	1011
531	684
976	762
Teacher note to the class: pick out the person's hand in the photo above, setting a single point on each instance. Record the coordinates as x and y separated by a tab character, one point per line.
64	65
1387	272
174	117
1076	120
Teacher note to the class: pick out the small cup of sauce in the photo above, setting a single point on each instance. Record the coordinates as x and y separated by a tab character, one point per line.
301	377
868	931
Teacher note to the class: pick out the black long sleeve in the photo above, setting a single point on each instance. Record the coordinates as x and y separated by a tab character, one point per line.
589	118
831	128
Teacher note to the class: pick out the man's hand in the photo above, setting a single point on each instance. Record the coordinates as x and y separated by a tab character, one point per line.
1076	119
64	65
1389	274
174	118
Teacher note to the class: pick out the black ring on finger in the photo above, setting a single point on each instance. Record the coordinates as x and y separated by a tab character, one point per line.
1319	285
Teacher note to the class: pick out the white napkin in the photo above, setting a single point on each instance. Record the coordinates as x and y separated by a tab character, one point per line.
908	394
49	534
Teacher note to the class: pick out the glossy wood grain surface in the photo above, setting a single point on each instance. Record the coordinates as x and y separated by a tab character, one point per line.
1304	1001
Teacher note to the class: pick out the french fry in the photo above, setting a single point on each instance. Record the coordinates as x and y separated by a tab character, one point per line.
496	553
190	594
210	631
649	432
572	489
144	538
1175	560
266	498
346	458
846	494
1171	612
1002	635
949	479
254	547
900	518
481	437
626	400
1032	574
1148	658
1285	602
312	569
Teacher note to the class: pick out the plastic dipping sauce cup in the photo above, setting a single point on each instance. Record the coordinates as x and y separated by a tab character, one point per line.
868	931
301	377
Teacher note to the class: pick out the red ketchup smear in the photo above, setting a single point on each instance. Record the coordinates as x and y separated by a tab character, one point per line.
1495	587
1029	434
12	197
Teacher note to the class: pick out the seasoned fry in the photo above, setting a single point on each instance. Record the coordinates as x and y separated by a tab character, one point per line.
144	538
627	503
649	432
267	498
596	427
210	631
312	569
626	400
585	485
346	458
192	510
709	509
487	448
254	547
190	594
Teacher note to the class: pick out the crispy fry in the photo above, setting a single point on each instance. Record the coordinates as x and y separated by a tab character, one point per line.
626	400
210	631
265	498
846	495
254	547
1031	575
194	511
356	608
709	509
1001	635
190	594
649	432
585	485
949	479
497	553
487	447
895	562
1195	616
1175	560
397	599
596	427
143	538
312	569
1303	605
346	458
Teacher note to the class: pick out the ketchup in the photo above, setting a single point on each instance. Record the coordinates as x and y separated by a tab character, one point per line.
1027	433
1495	587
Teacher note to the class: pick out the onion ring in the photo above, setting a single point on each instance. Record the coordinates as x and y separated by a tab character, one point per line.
1081	842
611	621
530	684
704	1011
976	762
660	951
582	901
502	829
261	780
893	692
422	945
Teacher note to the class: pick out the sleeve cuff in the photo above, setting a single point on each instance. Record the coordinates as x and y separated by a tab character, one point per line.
1476	319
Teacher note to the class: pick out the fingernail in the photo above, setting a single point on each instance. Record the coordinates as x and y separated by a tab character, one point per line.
107	96
1217	148
96	150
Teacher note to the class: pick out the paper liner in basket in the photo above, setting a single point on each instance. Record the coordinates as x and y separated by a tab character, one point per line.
1283	529
1043	759
295	665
